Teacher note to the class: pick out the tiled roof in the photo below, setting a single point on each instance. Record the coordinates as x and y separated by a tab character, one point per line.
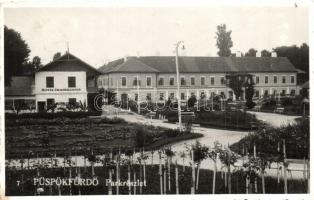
68	62
132	65
166	64
20	86
305	85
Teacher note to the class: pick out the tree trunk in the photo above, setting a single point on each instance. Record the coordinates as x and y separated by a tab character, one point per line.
129	179
229	172
169	175
247	181
197	176
160	175
193	173
117	177
144	171
134	181
177	178
140	175
110	178
284	168
214	177
263	181
165	179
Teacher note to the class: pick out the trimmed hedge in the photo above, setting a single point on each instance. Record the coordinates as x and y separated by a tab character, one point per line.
237	120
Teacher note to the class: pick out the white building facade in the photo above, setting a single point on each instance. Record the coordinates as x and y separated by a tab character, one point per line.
67	80
199	76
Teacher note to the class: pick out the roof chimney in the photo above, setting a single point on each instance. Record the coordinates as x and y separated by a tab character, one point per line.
125	58
273	54
258	54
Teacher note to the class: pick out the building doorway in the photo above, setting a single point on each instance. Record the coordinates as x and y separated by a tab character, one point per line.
41	106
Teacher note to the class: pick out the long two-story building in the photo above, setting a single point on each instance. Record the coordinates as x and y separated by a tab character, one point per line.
154	77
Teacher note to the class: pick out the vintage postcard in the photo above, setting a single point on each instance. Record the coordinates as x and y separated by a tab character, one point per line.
155	100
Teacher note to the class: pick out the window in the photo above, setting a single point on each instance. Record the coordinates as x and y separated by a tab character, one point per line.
257	79
161	81
266	79
172	95
72	101
202	81
274	92
222	94
222	80
182	96
292	92
136	82
171	81
212	80
71	82
49	82
161	96
50	102
266	93
275	79
192	81
135	97
182	81
283	92
148	81
283	79
257	93
149	96
292	79
203	95
90	83
123	81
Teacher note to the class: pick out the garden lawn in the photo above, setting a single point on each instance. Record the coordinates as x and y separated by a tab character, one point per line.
28	137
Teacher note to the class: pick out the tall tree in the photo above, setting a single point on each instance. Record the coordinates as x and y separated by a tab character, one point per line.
238	82
298	56
265	53
56	56
16	52
224	42
251	52
37	62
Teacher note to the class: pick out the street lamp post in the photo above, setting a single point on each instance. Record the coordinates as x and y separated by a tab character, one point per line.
178	84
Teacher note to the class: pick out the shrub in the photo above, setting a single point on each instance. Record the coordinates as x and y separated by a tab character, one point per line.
269	104
250	104
45	115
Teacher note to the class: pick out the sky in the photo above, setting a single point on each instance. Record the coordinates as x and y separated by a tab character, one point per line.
100	35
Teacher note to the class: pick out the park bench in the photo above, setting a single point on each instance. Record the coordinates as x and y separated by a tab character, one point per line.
279	110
